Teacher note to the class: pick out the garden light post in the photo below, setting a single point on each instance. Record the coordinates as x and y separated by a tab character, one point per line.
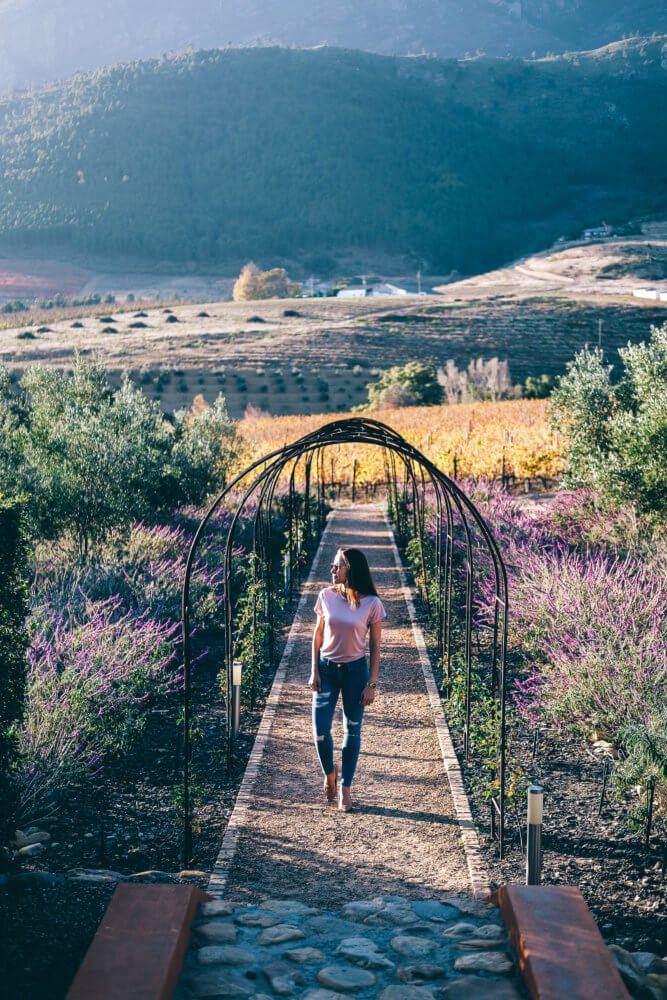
534	842
237	671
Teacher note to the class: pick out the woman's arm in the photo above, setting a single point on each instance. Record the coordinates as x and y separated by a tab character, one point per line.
368	696
318	637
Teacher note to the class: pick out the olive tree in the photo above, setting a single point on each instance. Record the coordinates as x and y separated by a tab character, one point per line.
616	433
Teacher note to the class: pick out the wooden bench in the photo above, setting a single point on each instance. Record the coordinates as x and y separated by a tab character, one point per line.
558	946
138	950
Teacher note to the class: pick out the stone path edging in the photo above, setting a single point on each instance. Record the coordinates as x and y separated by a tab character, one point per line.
219	875
479	878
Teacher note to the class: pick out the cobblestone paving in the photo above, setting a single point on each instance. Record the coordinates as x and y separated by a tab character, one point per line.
386	947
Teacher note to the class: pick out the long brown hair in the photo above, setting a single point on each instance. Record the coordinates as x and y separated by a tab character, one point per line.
359	581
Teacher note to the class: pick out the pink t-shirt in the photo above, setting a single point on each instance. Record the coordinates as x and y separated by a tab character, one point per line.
345	627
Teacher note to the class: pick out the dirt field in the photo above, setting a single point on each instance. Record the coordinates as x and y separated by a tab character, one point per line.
317	355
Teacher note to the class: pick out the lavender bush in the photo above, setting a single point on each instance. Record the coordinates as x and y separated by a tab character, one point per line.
105	641
145	567
94	671
588	621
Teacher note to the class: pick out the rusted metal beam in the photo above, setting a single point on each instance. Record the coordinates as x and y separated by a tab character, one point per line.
138	950
558	946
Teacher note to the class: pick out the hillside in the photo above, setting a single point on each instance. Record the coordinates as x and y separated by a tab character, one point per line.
269	153
42	40
321	355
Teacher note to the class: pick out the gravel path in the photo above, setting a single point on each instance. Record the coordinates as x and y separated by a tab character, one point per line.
403	837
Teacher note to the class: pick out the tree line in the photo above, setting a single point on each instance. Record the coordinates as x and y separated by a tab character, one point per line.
230	155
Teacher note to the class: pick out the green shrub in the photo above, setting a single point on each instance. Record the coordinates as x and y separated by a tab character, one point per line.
538	386
94	458
420	380
616	434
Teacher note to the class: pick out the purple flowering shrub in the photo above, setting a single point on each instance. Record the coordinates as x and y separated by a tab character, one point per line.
588	623
145	568
94	671
106	643
587	619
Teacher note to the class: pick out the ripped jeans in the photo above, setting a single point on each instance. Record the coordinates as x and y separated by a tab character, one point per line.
350	679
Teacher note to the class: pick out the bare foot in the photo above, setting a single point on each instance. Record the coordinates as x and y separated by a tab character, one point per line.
345	800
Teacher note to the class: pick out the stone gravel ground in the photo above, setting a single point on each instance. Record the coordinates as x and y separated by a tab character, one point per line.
402	837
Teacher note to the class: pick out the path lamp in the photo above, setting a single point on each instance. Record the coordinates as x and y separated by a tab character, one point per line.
534	845
237	673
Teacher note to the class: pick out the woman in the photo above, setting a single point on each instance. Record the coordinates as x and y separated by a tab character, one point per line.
345	613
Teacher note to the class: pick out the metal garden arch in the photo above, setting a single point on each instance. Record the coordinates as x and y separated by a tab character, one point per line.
455	519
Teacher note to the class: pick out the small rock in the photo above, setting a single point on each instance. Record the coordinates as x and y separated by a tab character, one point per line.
279	934
477	988
282	977
461	929
94	875
217	908
38	837
325	995
657	985
364	952
20	839
406	993
393	914
219	983
484	961
480	944
472	907
193	874
31	850
330	927
224	954
257	918
490	931
413	947
218	932
421	973
152	876
345	977
631	971
301	955
432	909
646	960
361	909
292	906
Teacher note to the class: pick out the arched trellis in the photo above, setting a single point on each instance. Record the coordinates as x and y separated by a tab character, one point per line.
453	511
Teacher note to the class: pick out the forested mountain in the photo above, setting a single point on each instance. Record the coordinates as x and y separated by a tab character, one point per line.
223	155
42	40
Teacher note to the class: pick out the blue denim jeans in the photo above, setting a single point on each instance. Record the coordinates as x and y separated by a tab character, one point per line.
350	679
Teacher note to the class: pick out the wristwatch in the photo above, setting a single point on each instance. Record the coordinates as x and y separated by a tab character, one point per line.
372	684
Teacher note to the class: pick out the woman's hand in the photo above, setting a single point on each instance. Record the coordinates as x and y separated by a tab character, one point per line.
314	681
367	695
